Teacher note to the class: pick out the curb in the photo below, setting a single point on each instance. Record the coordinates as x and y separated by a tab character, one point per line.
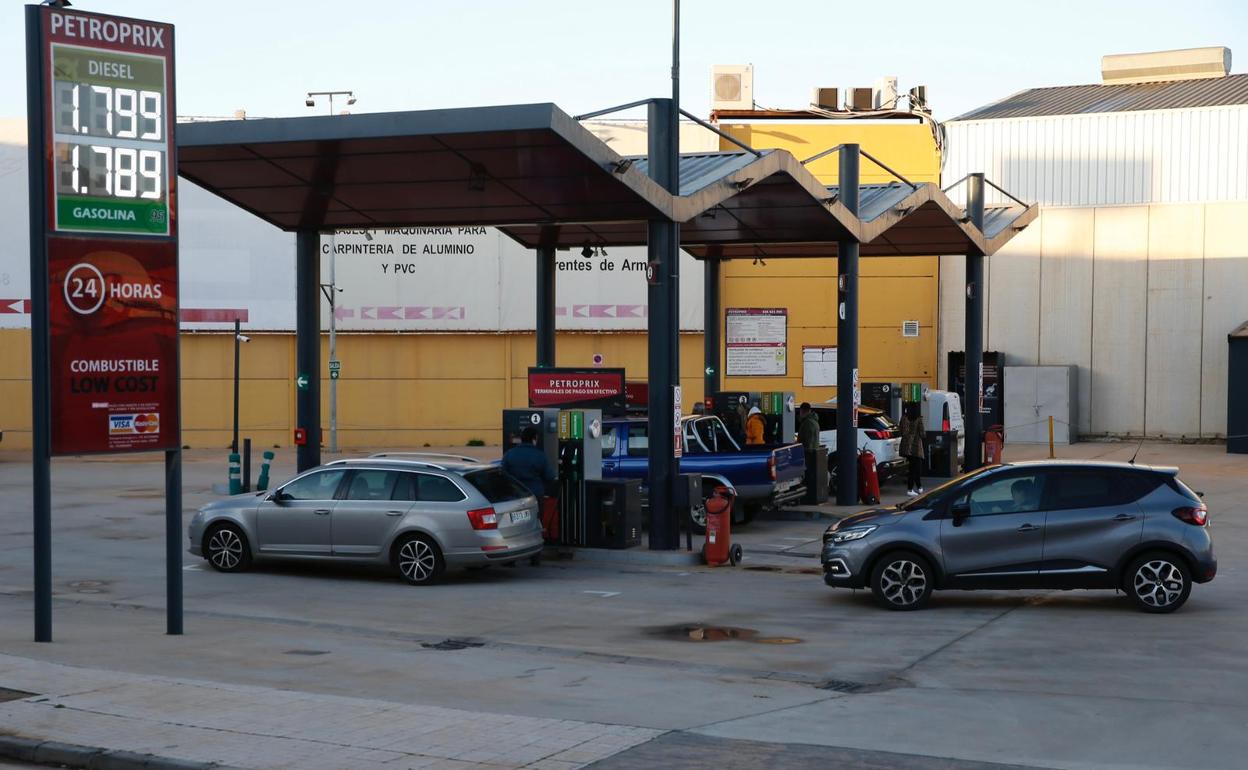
89	758
679	558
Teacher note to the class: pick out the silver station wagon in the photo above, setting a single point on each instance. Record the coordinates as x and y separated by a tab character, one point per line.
418	513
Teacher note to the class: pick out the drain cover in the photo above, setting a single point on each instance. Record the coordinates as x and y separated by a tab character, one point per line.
451	644
7	695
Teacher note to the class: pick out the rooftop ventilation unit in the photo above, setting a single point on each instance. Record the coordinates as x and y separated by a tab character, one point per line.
732	87
826	98
884	95
1158	66
859	99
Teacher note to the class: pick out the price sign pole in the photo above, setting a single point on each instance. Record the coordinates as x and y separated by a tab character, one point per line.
103	261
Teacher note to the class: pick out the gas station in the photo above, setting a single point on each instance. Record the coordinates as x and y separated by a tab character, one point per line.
535	173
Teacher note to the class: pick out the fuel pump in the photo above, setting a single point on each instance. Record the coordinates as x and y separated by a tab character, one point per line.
779	413
544	421
579	460
731	407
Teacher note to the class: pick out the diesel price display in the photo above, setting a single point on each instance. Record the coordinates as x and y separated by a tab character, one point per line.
110	138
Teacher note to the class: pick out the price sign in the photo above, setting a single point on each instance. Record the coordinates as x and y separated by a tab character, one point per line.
110	124
109	256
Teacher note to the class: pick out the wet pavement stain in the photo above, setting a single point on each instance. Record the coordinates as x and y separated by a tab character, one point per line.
451	644
708	633
88	586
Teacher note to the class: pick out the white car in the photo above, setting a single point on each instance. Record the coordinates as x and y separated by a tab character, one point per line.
876	431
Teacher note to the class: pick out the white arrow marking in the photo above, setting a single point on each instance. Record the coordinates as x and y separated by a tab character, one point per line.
603	594
193	568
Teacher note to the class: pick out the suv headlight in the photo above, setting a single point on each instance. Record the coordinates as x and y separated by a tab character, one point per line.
853	533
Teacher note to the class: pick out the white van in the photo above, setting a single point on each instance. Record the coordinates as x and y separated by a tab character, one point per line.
942	411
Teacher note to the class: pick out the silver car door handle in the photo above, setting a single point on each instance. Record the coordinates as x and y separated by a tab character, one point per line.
1124	517
321	511
1028	528
394	513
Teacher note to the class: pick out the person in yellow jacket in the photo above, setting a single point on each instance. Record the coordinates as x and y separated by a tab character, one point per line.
755	427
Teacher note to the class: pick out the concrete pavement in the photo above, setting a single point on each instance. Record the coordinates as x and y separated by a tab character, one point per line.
1046	679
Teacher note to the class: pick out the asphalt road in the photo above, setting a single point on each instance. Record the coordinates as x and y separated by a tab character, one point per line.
1042	679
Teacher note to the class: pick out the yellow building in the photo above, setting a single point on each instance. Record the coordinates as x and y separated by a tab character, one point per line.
412	389
893	289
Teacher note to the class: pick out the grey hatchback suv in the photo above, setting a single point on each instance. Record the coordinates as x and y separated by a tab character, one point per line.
1032	525
416	513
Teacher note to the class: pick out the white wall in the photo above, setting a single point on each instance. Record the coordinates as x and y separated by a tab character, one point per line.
1159	156
1139	298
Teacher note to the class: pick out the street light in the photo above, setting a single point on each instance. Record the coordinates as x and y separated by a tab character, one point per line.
238	337
330	290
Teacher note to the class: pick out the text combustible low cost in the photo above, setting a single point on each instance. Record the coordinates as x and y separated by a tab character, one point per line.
126	381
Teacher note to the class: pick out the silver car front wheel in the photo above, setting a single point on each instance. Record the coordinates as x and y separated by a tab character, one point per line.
418	560
1159	583
902	581
226	549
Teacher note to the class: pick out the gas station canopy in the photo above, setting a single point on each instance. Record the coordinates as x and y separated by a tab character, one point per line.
526	168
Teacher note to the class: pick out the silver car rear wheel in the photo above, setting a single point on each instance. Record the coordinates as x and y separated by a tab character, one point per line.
225	548
902	581
1158	582
418	560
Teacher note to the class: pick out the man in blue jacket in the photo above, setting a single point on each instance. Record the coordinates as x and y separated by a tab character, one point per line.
528	464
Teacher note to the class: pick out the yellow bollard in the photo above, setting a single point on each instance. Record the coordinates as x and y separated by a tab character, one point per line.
1051	455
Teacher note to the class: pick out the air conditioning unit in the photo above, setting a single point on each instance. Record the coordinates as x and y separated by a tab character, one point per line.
885	93
732	87
918	99
826	98
859	99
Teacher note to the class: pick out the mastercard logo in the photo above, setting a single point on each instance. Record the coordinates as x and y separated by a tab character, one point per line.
147	423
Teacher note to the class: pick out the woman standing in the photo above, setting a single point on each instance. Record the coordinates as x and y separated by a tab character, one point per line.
912	448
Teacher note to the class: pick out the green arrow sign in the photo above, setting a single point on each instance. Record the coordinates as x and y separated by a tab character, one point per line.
302	382
709	371
333	374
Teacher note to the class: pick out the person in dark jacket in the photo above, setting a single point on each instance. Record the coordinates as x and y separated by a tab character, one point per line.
528	464
912	448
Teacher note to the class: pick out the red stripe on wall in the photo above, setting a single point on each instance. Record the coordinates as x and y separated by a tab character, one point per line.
213	315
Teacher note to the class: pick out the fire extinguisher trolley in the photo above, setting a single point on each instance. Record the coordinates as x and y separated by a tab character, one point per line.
718	548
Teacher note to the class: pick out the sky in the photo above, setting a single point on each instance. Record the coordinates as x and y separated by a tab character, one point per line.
588	54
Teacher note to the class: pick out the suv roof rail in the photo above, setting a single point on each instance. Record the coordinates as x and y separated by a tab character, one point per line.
430	455
383	460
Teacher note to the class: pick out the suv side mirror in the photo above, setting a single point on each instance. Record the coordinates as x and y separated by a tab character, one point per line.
960	511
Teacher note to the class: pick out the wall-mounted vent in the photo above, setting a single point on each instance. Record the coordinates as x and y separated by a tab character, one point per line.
909	328
732	87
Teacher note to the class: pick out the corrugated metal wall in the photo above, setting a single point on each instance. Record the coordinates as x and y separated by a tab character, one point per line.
1161	156
1139	298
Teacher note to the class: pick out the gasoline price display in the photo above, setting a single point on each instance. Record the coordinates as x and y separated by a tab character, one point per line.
110	131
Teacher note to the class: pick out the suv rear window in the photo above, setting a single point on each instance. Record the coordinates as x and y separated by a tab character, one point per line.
1093	488
496	486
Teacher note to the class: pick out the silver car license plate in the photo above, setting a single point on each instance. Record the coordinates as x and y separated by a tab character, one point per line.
519	516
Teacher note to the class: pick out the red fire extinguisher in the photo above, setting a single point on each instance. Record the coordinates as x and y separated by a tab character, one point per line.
868	478
719	548
994	444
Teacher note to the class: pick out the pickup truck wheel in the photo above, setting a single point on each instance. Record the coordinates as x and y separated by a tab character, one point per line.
697	518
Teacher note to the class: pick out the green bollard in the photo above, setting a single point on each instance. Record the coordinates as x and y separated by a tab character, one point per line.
236	483
262	483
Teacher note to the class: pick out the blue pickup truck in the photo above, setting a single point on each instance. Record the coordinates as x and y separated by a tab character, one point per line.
764	476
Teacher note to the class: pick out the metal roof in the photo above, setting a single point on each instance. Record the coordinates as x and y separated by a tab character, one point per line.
479	166
1131	97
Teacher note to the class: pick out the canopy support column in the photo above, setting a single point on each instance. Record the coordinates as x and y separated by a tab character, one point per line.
710	321
546	297
308	347
847	338
974	388
663	334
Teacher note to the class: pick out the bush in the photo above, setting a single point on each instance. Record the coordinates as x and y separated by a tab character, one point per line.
476	442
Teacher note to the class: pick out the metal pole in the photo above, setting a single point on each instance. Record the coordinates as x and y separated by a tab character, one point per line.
545	326
663	337
41	408
173	542
847	338
710	323
974	330
308	347
333	340
237	332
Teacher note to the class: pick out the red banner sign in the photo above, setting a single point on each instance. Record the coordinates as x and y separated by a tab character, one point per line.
586	388
113	307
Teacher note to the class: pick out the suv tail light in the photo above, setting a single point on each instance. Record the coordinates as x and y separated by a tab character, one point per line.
483	518
1197	515
771	467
